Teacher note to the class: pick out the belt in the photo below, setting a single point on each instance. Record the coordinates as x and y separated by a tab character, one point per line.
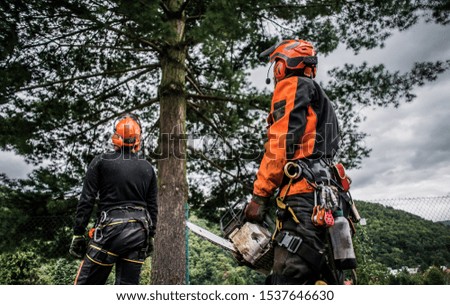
317	171
120	215
125	211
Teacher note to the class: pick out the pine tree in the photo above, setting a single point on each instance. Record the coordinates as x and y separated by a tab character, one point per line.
70	67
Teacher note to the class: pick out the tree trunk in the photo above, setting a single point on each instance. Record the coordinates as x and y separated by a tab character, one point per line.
169	260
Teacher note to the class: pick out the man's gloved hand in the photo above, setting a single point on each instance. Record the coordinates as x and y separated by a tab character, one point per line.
78	246
255	210
150	246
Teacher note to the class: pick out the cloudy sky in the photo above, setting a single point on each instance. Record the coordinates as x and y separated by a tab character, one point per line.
411	144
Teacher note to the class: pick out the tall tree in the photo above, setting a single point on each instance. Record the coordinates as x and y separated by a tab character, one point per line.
69	67
172	165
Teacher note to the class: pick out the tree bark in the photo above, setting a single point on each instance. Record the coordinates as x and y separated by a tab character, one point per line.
169	260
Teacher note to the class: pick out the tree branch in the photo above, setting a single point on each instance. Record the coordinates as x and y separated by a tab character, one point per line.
106	47
220	99
220	168
100	122
105	73
59	37
194	84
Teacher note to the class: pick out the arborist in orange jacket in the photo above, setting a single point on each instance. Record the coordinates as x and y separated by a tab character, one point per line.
302	128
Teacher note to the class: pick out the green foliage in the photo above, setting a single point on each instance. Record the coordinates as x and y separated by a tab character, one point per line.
435	276
146	272
369	271
19	268
211	265
431	276
405	278
401	239
59	271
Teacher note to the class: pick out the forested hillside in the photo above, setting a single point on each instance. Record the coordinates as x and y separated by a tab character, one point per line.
391	238
401	239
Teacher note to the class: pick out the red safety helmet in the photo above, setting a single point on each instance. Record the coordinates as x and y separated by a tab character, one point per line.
127	132
294	57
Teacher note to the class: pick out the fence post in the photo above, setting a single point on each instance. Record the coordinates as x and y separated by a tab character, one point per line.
187	244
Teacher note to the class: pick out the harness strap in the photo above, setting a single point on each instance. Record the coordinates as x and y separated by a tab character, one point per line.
282	205
285	206
295	244
107	219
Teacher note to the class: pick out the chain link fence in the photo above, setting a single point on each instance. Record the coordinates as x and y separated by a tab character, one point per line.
45	240
51	235
435	208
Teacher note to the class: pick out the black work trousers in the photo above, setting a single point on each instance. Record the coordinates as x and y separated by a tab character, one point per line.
121	241
291	268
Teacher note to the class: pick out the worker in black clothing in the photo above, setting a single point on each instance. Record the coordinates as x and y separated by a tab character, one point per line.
125	227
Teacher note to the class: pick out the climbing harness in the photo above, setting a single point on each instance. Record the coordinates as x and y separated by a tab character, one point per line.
331	197
106	219
293	171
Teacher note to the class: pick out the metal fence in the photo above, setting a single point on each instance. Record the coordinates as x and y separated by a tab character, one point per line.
435	208
51	235
46	239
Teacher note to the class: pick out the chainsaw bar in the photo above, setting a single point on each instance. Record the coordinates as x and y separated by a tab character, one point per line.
211	237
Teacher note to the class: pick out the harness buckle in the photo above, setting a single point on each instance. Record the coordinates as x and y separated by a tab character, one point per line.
290	242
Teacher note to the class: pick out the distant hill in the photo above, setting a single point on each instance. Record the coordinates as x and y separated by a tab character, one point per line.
446	222
399	238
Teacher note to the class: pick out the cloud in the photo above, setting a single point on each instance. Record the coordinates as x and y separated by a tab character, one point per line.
422	42
411	144
14	166
411	148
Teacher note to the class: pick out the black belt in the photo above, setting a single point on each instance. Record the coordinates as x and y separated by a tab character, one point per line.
125	211
317	171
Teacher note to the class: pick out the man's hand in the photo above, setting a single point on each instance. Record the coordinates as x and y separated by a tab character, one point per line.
78	246
255	211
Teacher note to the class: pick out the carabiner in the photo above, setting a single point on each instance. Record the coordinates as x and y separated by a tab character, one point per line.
103	216
289	166
96	233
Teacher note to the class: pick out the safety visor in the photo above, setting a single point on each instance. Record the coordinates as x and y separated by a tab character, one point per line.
272	48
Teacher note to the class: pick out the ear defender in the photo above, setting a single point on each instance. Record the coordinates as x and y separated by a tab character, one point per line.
279	70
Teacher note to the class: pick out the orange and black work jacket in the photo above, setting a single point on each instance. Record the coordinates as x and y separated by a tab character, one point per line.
302	124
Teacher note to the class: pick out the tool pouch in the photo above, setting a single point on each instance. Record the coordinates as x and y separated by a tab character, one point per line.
342	177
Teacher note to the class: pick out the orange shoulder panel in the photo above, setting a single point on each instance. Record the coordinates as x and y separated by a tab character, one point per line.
270	173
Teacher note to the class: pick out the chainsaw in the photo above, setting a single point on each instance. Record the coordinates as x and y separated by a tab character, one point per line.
250	243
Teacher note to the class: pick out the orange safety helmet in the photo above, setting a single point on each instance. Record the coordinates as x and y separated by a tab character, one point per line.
127	132
291	57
